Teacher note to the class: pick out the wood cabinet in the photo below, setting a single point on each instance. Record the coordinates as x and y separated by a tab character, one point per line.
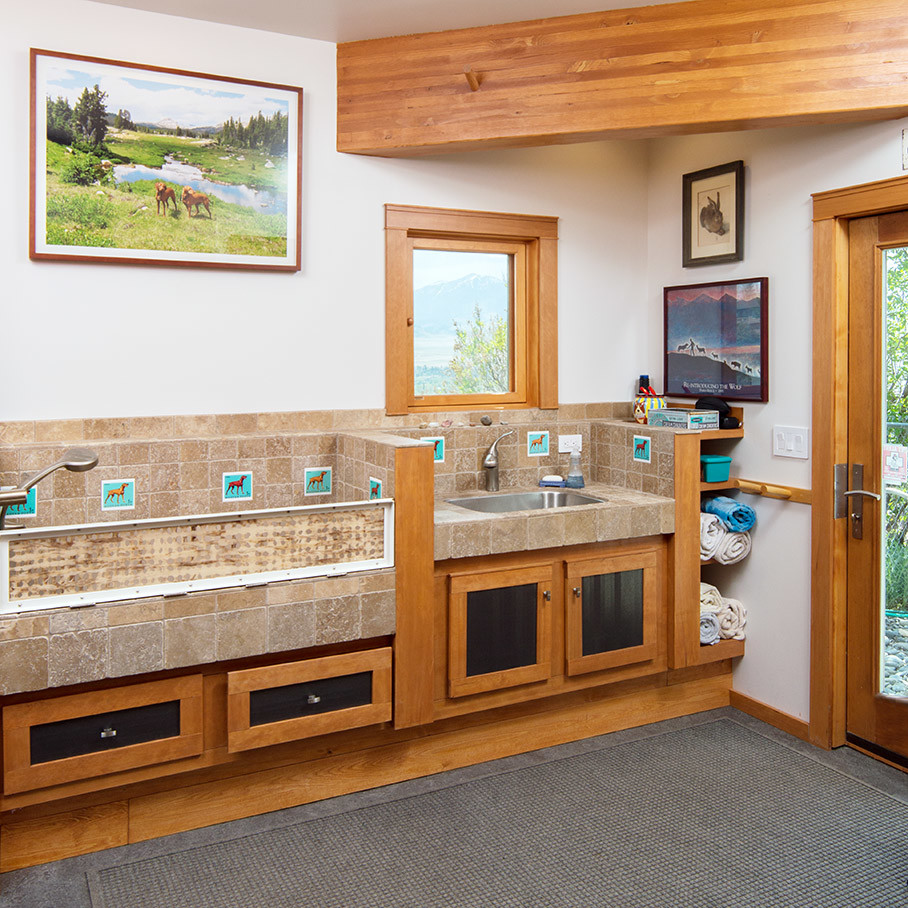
499	628
535	624
611	611
50	742
278	703
685	649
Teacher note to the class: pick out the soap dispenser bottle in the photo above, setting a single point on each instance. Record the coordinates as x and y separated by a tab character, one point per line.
575	474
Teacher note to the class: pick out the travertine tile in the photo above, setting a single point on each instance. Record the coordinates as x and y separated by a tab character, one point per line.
469	539
235	600
190	641
509	534
250	449
243	633
24	626
77	657
136	648
17	433
338	620
135	612
374	583
378	613
335	586
580	527
78	619
187	606
136	452
545	531
200	426
442	542
237	423
58	430
291	626
23	665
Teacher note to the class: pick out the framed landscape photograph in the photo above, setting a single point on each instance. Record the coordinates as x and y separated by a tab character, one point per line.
716	340
713	215
136	164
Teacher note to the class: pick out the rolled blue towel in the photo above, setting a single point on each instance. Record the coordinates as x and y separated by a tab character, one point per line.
736	516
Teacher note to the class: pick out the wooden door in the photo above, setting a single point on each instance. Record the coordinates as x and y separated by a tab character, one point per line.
611	611
877	498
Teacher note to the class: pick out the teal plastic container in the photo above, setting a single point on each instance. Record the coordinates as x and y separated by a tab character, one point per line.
715	467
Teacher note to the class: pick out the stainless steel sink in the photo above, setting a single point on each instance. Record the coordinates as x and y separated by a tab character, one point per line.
524	501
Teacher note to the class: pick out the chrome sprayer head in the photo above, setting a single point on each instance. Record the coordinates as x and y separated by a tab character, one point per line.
78	460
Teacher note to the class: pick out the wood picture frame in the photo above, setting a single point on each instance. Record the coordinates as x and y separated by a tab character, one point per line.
716	339
138	164
713	215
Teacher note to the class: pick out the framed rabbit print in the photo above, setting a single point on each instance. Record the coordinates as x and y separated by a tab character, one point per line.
713	215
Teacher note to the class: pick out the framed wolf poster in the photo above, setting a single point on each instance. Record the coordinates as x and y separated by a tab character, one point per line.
145	165
713	215
716	340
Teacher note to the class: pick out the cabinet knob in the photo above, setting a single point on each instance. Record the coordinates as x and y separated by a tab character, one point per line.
312	699
108	732
577	591
547	595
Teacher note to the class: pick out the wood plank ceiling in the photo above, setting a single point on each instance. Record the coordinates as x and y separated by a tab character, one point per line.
700	66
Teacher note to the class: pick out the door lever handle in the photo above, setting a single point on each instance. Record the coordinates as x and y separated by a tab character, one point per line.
863	492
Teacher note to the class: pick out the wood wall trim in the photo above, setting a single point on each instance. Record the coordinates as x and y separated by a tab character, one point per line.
794	726
832	212
693	67
414	548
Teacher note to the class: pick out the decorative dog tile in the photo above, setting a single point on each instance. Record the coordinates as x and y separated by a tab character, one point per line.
439	450
537	444
118	495
318	481
374	488
236	486
642	451
29	509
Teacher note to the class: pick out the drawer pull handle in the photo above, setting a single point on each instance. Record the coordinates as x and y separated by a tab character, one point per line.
108	732
312	699
577	591
547	595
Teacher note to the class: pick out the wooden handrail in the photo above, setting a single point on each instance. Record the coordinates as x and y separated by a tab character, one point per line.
768	490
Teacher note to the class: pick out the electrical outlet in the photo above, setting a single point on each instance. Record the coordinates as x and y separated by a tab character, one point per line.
791	441
567	444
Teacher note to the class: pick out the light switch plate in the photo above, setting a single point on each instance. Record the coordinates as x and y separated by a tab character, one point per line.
567	444
791	441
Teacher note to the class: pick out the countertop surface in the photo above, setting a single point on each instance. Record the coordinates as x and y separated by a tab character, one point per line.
622	514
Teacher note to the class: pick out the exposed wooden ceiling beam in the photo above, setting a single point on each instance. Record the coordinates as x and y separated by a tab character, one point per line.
700	66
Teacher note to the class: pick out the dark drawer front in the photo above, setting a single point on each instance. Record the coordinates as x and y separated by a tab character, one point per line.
324	695
104	731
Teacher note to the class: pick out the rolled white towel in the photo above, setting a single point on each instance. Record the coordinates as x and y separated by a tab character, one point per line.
732	548
712	530
710	598
732	620
709	629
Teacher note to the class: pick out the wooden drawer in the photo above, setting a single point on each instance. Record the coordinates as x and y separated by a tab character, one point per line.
279	703
49	742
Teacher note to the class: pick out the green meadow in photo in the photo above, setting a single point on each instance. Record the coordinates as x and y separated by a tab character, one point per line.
172	166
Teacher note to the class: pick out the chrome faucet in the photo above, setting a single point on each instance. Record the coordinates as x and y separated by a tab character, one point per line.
490	463
78	460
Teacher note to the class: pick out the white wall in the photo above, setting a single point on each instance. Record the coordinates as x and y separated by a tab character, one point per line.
152	341
783	167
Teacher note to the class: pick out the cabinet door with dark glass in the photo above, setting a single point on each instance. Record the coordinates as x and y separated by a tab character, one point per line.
499	628
611	611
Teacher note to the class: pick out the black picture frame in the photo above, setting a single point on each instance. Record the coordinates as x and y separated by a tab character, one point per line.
716	340
713	215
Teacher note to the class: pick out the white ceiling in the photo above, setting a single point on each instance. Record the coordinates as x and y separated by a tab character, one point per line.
354	20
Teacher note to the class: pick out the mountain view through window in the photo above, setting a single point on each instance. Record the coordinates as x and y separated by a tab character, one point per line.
461	322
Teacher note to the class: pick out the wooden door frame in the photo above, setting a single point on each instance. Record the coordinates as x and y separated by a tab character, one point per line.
832	212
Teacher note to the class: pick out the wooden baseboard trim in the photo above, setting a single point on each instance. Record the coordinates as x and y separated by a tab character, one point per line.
770	715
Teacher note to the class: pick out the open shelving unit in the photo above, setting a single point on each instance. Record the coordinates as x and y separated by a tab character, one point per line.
684	632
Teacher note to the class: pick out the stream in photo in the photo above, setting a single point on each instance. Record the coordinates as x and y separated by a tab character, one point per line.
187	175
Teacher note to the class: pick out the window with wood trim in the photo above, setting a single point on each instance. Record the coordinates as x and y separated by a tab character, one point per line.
471	310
